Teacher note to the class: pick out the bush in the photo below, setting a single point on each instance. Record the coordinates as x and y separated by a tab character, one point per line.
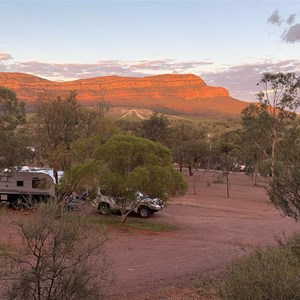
272	273
284	190
58	258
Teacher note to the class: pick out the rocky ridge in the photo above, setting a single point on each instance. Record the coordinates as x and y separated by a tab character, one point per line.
176	93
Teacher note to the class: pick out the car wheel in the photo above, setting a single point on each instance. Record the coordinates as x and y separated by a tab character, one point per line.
104	208
144	212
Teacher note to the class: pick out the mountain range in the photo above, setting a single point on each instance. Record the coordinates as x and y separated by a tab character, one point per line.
185	94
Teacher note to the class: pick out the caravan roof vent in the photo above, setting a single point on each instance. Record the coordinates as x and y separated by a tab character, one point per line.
25	168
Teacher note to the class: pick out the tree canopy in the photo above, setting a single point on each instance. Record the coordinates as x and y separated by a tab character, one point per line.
55	127
14	140
131	164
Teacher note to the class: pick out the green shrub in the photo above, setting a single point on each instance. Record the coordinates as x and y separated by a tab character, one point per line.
265	274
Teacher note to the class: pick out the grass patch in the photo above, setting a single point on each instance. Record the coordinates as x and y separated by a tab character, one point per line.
187	204
130	223
157	227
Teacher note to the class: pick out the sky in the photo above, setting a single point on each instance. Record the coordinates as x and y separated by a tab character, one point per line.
226	43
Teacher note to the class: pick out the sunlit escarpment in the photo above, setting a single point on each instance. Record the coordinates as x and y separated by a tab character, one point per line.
176	93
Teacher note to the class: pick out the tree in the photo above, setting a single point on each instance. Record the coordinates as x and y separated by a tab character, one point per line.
155	128
59	258
284	190
13	137
12	110
226	148
96	129
256	140
279	99
130	164
78	178
56	126
94	119
188	145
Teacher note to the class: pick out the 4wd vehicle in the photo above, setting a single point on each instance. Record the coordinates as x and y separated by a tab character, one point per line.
143	205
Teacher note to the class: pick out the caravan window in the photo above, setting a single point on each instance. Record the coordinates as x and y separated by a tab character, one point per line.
3	197
20	183
4	179
39	183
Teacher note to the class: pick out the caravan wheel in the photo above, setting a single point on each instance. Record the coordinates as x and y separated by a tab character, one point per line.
104	208
18	204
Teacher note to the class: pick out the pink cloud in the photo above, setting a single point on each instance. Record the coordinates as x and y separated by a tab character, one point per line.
5	56
241	80
142	68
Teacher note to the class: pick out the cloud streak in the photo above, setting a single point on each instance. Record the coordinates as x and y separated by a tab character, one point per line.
5	56
102	68
275	18
292	35
241	80
291	19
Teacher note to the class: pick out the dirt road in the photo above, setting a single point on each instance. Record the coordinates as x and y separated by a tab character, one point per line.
212	230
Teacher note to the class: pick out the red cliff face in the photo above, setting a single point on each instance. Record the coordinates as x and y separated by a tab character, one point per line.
187	94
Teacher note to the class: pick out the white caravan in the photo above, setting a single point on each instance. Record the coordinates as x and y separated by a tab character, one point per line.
26	184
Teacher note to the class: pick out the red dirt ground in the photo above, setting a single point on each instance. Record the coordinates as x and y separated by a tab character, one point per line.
212	231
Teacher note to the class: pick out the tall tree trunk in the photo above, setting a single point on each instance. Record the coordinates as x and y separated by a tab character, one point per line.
180	164
194	184
190	170
273	159
208	166
255	174
227	175
55	173
123	218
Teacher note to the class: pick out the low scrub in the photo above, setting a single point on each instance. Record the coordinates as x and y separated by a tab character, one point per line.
54	258
272	273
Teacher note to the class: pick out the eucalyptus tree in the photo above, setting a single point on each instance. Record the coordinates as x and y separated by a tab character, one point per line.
189	145
155	128
14	146
256	139
274	130
226	149
56	125
95	130
279	100
284	191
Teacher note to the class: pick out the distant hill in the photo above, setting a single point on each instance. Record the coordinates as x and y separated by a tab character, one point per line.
174	94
